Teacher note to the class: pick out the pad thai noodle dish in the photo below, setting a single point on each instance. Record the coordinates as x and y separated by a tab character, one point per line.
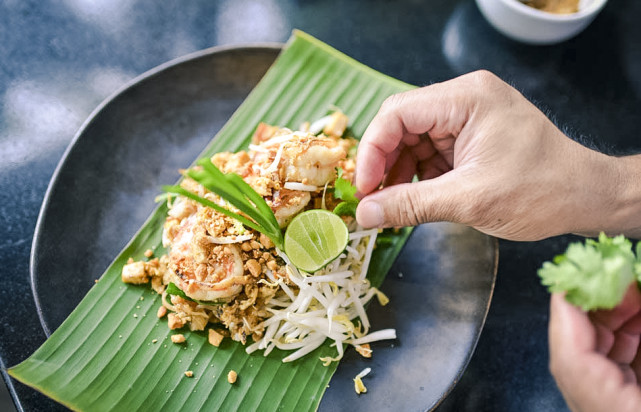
262	246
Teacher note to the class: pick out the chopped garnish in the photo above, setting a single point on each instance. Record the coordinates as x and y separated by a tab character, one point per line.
174	321
346	191
594	275
215	338
232	376
233	189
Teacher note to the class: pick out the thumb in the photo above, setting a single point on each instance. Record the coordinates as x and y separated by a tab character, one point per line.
410	204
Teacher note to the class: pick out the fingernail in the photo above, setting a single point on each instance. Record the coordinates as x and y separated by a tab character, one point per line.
370	214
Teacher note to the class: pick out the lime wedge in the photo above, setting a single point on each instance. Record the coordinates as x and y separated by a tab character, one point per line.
315	238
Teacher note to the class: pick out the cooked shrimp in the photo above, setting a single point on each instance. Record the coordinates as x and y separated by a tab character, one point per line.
288	203
313	162
204	271
300	157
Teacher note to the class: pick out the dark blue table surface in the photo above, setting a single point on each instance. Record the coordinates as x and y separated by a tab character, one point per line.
60	59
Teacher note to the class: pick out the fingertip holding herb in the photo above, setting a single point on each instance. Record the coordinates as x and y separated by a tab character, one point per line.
346	191
596	274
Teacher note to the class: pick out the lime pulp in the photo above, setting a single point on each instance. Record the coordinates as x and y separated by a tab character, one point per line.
315	238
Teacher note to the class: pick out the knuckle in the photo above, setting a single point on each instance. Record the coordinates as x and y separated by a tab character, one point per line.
392	103
554	368
487	82
411	210
485	77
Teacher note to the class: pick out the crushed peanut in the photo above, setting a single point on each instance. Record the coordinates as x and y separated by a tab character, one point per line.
174	321
189	374
149	253
266	241
179	338
272	265
254	267
215	338
232	376
162	311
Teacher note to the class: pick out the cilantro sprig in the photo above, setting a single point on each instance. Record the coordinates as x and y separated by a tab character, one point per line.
346	191
594	275
233	189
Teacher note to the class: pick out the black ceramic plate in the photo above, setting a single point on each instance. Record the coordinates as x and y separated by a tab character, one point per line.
104	188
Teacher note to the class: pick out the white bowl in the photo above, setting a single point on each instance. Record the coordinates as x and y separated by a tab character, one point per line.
529	25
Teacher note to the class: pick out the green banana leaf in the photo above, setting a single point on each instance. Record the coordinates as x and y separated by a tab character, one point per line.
113	353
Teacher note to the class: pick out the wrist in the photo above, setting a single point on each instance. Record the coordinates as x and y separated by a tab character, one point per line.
616	203
626	215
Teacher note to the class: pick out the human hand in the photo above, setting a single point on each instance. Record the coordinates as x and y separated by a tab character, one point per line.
486	157
595	357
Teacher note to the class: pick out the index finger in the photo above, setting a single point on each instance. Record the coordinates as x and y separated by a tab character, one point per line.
439	110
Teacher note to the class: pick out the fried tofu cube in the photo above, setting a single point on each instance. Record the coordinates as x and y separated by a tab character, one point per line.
135	273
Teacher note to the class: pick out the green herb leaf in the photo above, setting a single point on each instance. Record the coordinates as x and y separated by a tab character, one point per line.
343	188
172	289
234	190
346	191
594	275
345	209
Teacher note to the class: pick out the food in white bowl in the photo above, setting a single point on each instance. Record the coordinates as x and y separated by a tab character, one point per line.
531	25
554	6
